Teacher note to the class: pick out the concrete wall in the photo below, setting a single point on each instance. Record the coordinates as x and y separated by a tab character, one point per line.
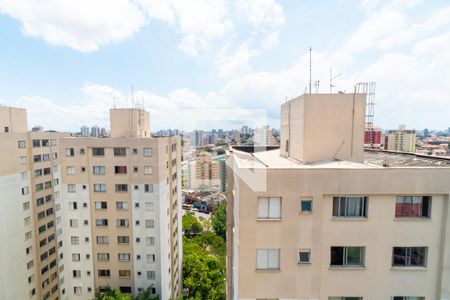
379	233
129	122
323	127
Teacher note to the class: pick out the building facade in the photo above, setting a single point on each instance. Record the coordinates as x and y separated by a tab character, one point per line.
337	223
402	139
87	213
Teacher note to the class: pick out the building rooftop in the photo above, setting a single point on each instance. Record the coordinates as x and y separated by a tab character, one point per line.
258	158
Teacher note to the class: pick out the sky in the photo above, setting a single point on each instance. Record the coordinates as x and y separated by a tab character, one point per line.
214	63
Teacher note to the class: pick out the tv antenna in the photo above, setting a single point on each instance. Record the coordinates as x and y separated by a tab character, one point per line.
333	78
310	68
316	86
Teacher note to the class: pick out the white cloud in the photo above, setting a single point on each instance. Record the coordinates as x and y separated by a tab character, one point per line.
81	25
238	63
261	13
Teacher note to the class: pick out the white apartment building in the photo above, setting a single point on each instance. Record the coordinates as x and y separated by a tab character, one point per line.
321	219
86	213
401	139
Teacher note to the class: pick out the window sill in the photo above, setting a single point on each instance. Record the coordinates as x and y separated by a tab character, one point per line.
304	263
347	268
306	212
409	269
412	219
268	220
339	219
267	270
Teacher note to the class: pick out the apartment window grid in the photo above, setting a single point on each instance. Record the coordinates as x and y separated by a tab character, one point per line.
99	170
350	207
409	256
413	207
99	187
120	151
148	188
148	152
98	151
269	208
268	259
347	256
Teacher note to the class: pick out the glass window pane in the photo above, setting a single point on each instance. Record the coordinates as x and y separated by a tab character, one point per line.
354	256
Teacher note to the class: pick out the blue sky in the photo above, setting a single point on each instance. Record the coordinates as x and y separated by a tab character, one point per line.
67	61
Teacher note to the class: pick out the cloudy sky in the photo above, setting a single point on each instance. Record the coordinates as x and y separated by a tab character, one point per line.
68	61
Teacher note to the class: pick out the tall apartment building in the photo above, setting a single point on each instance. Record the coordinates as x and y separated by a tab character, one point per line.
264	136
86	213
401	139
320	218
372	137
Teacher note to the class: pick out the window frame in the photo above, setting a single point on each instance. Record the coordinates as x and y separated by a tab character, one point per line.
345	257
339	214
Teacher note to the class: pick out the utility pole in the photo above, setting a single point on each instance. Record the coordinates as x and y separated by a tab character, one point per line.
310	69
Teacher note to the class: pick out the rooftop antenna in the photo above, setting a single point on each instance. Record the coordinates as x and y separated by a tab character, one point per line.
132	98
310	68
333	78
316	86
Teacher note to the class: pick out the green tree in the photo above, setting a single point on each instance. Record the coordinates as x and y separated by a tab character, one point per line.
219	221
146	295
220	151
203	276
211	243
110	294
190	225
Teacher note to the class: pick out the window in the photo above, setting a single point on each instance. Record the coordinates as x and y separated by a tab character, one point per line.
71	188
6	129
347	256
148	188
149	206
73	223
151	275
104	273
148	152
135	151
125	289
306	205
76	273
27	221
150	240
39	187
407	298
28	235
99	187
136	187
102	239
101	222
413	207
120	169
98	151
101	205
304	256
71	170
121	187
124	273
151	258
37	158
99	170
36	143
74	240
42	229
25	190
21	144
75	256
123	239
122	222
353	207
124	256
268	259
120	151
135	169
47	171
409	257
22	160
70	152
82	151
26	205
148	170
103	256
149	223
73	205
121	205
269	208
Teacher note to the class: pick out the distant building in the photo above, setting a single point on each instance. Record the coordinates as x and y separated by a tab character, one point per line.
264	136
85	131
37	128
426	132
103	132
372	138
402	139
95	131
244	129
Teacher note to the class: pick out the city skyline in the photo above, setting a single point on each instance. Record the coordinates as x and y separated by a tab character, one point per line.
52	68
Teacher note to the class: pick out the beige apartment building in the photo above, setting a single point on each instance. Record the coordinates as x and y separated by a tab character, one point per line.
82	214
320	218
401	139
